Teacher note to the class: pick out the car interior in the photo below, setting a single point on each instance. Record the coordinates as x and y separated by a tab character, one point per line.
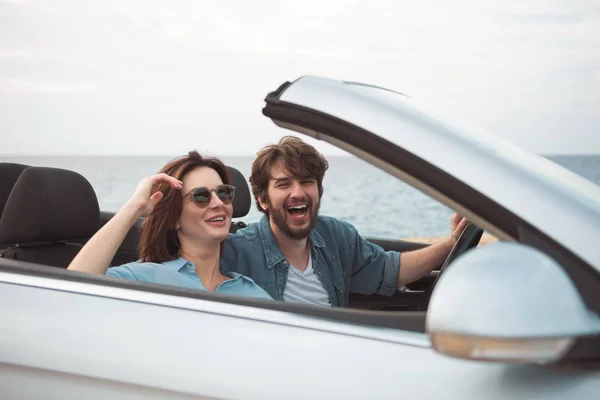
49	213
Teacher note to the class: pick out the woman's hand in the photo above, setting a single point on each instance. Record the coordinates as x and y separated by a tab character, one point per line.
143	201
96	255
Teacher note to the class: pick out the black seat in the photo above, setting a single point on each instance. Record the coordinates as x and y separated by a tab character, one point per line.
48	208
9	173
242	200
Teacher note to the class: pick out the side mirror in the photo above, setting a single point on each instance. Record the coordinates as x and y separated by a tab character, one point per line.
507	302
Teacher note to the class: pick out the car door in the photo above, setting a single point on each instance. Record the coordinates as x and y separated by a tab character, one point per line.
85	340
81	337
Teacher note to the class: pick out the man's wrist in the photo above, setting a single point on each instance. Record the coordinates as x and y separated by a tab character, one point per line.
449	243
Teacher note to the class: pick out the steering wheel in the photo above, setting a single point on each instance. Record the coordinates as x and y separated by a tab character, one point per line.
467	240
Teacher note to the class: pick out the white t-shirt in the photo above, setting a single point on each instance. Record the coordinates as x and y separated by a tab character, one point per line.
305	287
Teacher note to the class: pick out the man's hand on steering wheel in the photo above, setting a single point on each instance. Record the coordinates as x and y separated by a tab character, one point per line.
465	236
457	226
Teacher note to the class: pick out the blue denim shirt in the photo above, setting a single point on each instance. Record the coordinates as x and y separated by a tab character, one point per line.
343	261
182	273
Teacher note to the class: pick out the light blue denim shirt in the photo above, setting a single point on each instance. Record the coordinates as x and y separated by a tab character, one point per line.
343	261
182	273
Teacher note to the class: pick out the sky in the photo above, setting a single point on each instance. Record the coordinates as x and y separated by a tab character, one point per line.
150	77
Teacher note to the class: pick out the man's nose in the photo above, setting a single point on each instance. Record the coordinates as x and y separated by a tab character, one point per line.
297	190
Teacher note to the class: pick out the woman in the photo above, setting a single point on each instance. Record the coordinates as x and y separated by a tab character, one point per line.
188	209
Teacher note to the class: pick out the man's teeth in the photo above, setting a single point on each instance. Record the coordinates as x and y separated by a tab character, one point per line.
218	219
297	207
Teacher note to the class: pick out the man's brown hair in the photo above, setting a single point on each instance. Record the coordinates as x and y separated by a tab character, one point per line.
159	241
297	158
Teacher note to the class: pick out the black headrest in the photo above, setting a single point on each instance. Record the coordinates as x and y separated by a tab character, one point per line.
49	205
9	173
241	202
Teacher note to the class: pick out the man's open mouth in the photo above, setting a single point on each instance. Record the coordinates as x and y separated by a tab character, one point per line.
298	212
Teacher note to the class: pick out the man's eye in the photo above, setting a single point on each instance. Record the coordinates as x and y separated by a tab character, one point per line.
308	182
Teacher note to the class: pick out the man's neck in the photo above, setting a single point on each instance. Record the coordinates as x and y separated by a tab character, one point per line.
295	250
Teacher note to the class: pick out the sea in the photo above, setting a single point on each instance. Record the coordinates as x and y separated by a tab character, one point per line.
353	190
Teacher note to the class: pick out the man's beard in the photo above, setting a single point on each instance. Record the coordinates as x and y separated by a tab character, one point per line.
278	216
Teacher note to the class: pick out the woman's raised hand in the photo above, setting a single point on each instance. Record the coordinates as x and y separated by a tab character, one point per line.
142	201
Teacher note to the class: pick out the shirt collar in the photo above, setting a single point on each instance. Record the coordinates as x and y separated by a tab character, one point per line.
177	264
273	254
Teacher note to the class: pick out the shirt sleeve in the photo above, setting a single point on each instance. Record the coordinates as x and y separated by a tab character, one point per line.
374	270
122	272
261	293
252	289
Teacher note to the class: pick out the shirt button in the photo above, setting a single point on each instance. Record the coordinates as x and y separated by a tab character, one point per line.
285	262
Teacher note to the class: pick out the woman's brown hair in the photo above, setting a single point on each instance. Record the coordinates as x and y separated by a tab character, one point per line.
298	158
159	241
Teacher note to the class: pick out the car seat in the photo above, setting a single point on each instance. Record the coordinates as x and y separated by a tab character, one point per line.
47	209
9	173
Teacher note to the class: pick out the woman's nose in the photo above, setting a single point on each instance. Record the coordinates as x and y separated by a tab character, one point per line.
215	201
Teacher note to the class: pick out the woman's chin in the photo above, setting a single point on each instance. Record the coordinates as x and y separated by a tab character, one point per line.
208	237
219	234
223	236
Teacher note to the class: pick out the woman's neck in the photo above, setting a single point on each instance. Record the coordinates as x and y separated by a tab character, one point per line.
206	259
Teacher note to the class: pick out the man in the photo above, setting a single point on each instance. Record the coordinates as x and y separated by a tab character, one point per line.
297	255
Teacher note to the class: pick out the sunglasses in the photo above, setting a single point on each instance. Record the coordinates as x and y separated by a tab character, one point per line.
202	195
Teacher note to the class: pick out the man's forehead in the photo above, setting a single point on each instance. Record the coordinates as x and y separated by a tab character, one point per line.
278	174
279	171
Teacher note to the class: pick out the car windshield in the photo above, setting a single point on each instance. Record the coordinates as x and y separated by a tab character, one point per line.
576	179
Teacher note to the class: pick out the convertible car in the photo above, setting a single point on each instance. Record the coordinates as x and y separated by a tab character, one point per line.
514	319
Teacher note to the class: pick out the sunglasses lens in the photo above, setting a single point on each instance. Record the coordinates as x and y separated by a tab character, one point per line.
201	196
226	193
